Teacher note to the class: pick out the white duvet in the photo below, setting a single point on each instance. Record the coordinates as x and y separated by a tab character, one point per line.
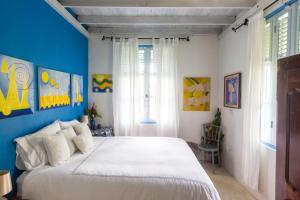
123	168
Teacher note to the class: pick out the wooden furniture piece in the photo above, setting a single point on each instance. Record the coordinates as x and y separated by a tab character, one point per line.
211	143
288	129
103	132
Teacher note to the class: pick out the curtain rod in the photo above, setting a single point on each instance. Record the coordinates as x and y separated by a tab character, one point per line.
245	23
246	20
145	38
270	5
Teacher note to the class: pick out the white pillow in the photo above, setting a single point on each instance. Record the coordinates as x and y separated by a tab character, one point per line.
69	135
82	128
84	142
30	149
67	124
57	149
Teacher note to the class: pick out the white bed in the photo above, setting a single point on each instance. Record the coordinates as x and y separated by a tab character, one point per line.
123	168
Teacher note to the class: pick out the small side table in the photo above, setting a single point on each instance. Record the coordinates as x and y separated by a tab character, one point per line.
103	132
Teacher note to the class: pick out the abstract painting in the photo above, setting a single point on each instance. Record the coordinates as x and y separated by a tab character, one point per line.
77	89
54	88
16	87
102	83
232	91
196	94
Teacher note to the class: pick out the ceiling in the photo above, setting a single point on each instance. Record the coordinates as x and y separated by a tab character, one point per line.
159	17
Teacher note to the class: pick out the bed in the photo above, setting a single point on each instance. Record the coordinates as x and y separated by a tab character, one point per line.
123	168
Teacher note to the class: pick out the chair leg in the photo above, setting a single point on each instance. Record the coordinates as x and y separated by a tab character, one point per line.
213	161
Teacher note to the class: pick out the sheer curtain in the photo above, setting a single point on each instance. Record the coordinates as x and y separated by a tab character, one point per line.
252	103
126	101
165	63
128	89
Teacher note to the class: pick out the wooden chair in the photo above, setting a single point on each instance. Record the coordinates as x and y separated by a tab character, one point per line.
211	142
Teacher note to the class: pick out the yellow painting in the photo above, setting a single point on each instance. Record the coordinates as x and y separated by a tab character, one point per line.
77	89
102	83
196	94
54	88
16	87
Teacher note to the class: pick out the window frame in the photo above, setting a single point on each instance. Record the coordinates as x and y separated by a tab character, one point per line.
297	25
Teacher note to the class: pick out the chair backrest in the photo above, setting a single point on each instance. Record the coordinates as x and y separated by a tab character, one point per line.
212	133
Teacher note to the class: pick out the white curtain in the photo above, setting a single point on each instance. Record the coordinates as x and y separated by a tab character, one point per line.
166	98
126	101
128	91
252	103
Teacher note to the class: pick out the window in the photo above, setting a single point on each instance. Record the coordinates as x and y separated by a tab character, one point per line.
147	82
282	38
268	108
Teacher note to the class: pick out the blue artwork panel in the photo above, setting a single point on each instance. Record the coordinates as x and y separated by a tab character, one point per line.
16	87
77	90
54	88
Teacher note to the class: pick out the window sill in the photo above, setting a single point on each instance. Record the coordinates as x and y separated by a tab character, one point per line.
268	145
148	122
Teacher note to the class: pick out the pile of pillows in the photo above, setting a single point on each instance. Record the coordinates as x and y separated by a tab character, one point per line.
53	144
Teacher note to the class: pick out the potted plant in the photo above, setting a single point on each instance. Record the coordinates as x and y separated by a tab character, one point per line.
213	128
93	114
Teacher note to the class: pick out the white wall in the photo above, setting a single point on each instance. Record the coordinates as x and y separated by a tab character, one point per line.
232	59
196	58
100	62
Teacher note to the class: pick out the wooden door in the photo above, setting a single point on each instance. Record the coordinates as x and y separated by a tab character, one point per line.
288	129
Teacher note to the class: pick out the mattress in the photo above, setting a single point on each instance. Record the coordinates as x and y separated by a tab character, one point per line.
123	168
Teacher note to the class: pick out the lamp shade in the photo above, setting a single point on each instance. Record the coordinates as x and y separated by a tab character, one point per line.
84	119
5	183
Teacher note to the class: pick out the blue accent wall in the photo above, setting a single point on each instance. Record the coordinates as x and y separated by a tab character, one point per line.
31	30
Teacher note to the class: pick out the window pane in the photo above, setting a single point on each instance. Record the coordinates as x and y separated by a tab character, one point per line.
268	41
147	84
283	35
299	28
141	61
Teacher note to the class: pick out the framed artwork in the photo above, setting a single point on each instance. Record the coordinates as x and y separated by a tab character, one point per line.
16	87
196	94
54	88
232	90
77	89
102	83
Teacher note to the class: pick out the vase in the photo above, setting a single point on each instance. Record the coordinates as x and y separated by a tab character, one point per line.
92	124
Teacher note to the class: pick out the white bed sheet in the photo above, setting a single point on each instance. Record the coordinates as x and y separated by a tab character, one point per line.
123	168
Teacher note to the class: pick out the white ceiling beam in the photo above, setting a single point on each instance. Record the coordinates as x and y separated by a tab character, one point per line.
65	14
127	31
176	21
239	4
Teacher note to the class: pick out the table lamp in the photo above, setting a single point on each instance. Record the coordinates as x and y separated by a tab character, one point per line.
5	184
85	119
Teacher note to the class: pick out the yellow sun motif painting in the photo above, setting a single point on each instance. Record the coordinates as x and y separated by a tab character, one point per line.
54	88
196	94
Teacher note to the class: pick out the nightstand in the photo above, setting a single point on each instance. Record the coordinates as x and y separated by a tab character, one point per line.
103	132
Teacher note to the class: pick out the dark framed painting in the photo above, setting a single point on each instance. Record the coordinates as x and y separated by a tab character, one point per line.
232	90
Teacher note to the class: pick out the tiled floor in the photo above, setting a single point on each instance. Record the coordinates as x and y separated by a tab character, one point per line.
227	186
